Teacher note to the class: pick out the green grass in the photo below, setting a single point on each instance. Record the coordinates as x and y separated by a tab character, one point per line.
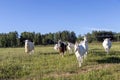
47	64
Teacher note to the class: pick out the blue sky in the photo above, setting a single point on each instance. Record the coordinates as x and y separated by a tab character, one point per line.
44	16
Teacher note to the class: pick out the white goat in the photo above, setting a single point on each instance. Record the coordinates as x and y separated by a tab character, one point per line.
81	50
85	45
107	44
29	47
56	47
70	47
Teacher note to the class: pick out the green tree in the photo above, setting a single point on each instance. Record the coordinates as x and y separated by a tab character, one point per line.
73	37
13	36
38	39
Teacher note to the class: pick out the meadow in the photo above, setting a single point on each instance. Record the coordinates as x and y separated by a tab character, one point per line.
47	64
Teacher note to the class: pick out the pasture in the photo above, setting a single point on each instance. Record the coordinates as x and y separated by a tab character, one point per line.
47	64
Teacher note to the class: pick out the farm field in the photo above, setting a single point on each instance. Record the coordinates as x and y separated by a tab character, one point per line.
47	64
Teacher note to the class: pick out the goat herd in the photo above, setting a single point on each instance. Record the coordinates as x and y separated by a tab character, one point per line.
80	49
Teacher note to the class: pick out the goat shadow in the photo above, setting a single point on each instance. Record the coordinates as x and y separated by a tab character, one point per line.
113	56
109	60
50	53
100	52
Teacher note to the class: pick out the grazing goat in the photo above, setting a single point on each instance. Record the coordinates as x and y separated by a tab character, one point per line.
107	44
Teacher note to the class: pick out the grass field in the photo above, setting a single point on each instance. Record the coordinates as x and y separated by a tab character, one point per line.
47	64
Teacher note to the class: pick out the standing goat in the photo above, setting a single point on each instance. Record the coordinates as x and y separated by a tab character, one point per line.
70	47
81	50
29	47
62	47
56	47
107	44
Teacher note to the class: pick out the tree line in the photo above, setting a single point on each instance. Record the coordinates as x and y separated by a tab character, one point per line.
99	36
13	39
